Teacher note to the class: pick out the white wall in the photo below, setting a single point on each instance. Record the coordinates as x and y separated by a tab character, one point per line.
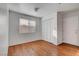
3	30
18	38
59	27
71	27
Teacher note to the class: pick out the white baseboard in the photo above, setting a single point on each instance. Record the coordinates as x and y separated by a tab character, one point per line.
27	41
71	43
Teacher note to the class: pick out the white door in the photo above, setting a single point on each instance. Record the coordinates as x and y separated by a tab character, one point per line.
49	30
70	30
46	27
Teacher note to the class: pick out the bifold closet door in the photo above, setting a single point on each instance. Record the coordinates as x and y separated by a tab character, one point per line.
49	30
46	30
70	29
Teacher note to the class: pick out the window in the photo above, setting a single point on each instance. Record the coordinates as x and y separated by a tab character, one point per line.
32	23
32	26
27	26
24	22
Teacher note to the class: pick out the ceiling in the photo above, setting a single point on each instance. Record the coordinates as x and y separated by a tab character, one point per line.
29	8
58	6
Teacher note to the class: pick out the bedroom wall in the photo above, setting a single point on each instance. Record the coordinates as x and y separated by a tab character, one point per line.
3	30
17	38
59	27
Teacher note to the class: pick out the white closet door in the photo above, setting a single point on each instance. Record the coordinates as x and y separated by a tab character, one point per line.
45	30
48	31
71	30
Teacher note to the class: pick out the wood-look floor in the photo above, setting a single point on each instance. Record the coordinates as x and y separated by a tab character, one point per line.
43	48
35	48
68	50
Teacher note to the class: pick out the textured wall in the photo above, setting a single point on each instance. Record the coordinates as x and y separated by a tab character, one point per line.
3	30
59	27
17	38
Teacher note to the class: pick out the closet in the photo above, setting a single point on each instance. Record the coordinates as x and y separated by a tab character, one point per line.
71	28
